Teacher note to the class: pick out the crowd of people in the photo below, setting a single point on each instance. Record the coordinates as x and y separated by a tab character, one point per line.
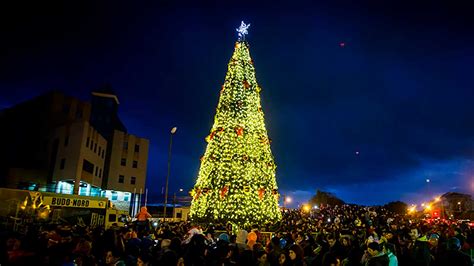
339	235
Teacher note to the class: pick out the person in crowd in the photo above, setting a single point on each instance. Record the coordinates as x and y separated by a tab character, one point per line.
142	219
143	259
301	238
262	258
389	249
377	256
453	255
296	255
283	260
114	258
418	252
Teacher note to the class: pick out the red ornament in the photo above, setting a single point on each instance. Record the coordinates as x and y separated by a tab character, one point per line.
198	192
261	193
212	135
246	84
224	191
201	158
239	131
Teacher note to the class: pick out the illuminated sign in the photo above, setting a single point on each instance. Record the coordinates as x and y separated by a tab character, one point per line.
74	202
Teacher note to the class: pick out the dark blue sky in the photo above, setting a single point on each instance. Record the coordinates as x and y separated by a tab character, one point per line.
400	92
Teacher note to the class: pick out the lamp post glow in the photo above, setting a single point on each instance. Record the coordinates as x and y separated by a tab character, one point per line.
173	130
306	208
286	200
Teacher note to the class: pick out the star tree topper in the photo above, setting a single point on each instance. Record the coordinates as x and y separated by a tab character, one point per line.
242	30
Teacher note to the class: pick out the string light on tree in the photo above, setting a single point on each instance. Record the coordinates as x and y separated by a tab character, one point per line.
236	182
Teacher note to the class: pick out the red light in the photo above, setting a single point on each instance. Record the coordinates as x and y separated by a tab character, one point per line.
342	44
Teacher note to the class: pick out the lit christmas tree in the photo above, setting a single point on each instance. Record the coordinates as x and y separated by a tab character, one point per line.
236	182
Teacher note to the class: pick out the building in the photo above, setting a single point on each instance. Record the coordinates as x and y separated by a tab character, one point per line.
456	204
128	162
80	157
59	143
28	154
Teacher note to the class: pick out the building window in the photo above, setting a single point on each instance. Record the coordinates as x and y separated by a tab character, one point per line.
88	166
66	108
114	195
123	162
133	180
87	142
102	154
100	149
121	179
95	147
179	215
96	171
63	163
100	172
135	164
92	144
125	145
137	148
66	140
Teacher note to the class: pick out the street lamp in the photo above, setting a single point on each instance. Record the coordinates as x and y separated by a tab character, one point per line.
173	130
286	200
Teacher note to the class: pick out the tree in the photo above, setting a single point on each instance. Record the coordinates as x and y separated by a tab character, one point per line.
397	207
323	197
236	181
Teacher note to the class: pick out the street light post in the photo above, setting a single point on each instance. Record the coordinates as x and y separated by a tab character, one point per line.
173	130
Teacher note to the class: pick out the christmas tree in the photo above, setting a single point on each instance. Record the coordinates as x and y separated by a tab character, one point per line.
236	182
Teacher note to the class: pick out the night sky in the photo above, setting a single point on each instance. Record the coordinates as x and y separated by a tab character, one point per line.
364	100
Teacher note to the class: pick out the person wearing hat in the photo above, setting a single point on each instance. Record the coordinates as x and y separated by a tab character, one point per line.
241	240
224	237
251	240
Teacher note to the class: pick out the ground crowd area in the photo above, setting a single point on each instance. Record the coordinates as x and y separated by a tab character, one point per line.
339	235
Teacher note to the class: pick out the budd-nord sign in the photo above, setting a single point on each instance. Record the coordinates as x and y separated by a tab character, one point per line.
72	202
